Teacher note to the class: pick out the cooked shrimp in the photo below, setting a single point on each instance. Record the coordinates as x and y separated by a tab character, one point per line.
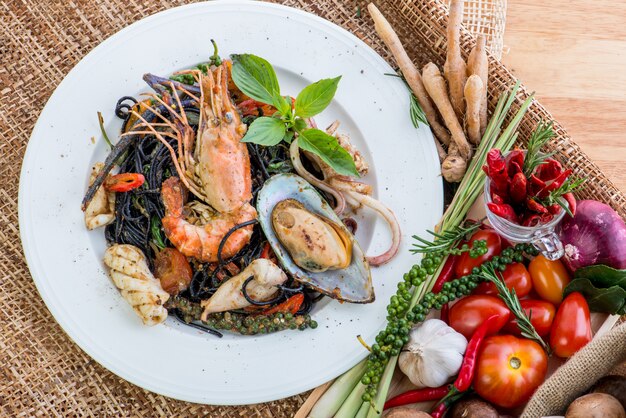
213	164
266	277
202	241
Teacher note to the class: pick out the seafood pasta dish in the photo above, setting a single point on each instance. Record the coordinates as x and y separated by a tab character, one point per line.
226	207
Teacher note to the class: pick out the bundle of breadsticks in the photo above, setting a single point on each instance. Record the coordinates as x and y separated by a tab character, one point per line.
458	98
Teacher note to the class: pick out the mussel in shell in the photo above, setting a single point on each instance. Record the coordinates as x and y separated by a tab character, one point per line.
311	242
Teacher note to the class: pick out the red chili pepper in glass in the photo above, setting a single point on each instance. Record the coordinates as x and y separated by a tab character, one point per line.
497	172
549	170
124	182
571	201
517	188
497	199
532	219
544	218
417	395
504	211
515	161
554	209
535	184
556	183
535	206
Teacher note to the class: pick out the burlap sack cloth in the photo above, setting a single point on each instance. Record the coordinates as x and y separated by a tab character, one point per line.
42	372
595	360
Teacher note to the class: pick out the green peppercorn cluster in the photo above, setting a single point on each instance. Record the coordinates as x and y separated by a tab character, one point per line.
242	323
401	317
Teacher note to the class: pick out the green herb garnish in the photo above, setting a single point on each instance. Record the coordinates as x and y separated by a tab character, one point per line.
540	137
256	78
104	132
556	196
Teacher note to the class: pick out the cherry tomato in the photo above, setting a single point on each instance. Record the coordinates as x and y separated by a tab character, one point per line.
124	182
549	278
572	326
465	264
541	315
173	270
509	369
468	313
515	277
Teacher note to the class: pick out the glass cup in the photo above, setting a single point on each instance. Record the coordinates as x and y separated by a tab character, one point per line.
542	236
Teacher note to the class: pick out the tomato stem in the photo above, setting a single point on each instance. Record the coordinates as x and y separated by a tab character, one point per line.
515	363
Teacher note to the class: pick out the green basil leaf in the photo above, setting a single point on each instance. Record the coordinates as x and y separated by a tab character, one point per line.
315	97
255	77
282	104
610	300
300	125
603	276
328	149
288	136
265	131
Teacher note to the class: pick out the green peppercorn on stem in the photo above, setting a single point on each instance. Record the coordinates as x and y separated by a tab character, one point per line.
241	323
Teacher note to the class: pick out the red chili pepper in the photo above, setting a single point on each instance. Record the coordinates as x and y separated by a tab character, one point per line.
549	170
124	182
266	251
553	209
535	184
531	220
497	172
515	161
497	199
291	305
556	183
468	367
417	395
504	211
535	206
439	411
571	201
546	217
517	188
444	315
446	273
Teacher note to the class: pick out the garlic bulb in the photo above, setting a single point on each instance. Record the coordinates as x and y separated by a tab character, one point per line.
433	354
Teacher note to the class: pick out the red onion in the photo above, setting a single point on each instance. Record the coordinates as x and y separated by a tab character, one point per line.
595	235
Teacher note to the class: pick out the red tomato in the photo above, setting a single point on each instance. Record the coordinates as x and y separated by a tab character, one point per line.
515	277
465	263
549	278
173	270
541	315
572	326
468	313
509	369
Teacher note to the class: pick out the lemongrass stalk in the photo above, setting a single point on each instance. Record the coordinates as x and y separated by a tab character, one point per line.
353	402
385	382
336	395
363	410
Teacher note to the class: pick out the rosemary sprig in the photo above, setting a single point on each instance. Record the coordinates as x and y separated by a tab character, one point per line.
415	110
540	137
511	300
556	196
445	240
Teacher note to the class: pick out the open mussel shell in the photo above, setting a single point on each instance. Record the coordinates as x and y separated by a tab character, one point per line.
350	284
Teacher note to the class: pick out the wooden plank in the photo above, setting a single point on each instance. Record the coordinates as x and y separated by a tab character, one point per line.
573	55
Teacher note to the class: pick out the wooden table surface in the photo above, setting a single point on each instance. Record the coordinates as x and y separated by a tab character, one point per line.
573	55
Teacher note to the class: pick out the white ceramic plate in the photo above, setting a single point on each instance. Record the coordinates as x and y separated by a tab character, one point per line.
66	260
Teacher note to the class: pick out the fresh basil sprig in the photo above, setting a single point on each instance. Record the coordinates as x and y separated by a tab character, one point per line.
256	78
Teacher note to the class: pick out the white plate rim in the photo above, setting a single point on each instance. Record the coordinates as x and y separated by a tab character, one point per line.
27	234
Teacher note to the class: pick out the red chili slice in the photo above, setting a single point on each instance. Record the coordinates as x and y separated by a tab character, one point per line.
124	182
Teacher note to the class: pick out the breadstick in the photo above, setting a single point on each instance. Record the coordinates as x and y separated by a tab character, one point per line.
478	64
436	87
474	92
455	69
409	71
